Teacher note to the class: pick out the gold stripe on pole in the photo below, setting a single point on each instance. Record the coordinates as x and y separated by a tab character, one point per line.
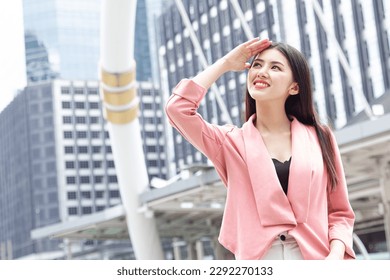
117	79
121	117
119	98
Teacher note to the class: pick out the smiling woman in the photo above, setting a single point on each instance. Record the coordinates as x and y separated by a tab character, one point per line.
286	191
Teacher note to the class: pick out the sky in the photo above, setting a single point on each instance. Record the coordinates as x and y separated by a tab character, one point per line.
12	53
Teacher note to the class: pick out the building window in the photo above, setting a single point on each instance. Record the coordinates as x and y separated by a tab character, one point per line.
97	164
53	213
148	106
98	179
67	119
37	168
51	166
80	105
69	150
86	195
49	151
151	149
72	211
49	136
112	179
96	149
71	180
51	182
100	208
34	108
149	134
65	90
72	195
84	179
83	150
68	134
92	91
66	105
78	91
95	134
114	193
93	105
69	165
87	210
47	107
36	153
83	164
81	134
94	119
99	194
81	120
37	183
34	123
35	138
48	121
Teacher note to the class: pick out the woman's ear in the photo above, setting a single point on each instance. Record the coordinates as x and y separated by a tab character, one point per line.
294	89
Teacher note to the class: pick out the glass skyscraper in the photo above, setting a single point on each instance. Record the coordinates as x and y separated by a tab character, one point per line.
69	30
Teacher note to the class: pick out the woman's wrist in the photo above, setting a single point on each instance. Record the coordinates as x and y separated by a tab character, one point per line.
337	249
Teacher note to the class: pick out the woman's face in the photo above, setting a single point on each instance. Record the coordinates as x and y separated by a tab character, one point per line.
270	77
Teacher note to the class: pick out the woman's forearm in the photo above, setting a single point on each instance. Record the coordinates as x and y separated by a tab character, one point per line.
211	74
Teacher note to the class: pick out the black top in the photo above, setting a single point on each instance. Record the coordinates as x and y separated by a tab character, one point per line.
283	170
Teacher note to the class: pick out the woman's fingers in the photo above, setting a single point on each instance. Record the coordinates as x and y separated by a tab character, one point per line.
257	46
251	41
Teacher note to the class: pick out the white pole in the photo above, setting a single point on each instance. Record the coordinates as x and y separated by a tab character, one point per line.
118	89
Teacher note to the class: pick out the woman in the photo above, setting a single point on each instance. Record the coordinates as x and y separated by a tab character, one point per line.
286	192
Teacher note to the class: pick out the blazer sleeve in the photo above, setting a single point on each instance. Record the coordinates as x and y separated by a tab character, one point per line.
340	213
181	109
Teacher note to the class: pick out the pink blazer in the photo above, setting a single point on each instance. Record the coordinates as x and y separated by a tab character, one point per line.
256	207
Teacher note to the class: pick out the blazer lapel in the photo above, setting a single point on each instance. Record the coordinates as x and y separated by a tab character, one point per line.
272	204
299	182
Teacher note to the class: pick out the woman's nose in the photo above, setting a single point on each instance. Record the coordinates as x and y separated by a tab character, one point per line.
262	72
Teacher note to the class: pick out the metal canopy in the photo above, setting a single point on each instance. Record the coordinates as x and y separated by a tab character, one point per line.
108	224
192	208
365	150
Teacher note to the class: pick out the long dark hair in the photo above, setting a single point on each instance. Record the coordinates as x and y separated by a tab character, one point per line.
301	107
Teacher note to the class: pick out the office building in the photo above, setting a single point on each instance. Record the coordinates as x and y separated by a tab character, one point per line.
28	182
360	28
152	130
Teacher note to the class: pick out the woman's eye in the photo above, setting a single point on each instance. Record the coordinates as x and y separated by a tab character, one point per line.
276	67
256	65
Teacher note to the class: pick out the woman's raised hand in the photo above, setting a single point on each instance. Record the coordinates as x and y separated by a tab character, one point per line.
237	59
